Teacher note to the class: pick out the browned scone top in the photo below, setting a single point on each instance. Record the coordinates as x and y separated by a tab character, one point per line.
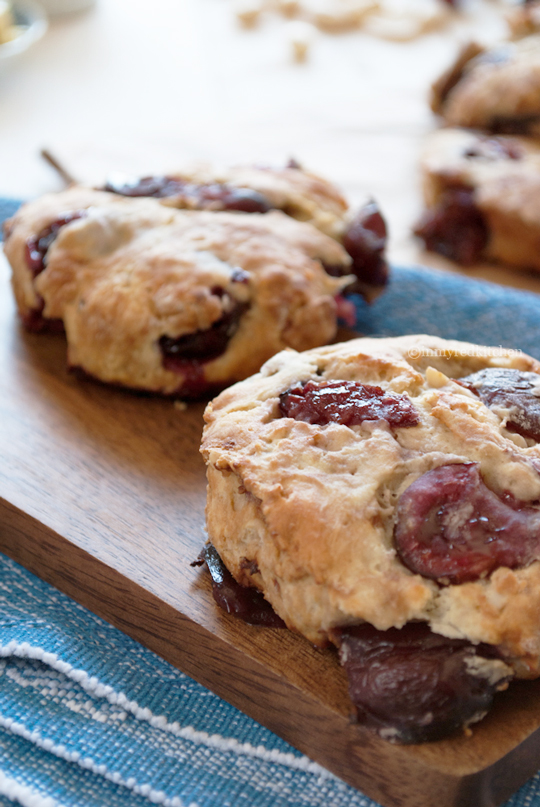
314	514
486	183
497	89
294	190
524	19
299	194
171	301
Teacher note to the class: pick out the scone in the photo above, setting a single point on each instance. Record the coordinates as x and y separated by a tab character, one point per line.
298	193
482	197
383	494
524	19
171	301
497	89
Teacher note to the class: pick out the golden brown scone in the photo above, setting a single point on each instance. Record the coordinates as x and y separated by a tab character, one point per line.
497	89
399	516
174	302
482	197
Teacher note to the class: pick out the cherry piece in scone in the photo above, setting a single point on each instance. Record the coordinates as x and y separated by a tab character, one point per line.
203	346
242	601
37	246
187	354
36	249
452	528
412	685
215	195
35	322
348	403
454	228
515	392
365	241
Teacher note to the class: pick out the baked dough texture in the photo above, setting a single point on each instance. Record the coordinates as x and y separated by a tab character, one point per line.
503	174
131	274
299	193
306	512
497	89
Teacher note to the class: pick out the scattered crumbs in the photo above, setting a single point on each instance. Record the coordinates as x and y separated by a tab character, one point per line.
300	36
247	12
393	20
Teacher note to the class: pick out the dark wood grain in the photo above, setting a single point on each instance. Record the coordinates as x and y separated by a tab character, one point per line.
102	494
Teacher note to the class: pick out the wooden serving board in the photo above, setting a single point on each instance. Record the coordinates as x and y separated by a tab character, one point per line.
102	494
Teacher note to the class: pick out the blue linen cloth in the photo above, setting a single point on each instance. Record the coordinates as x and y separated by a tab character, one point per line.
88	717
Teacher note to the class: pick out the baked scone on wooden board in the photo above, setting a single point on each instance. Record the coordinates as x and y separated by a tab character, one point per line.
183	284
176	302
383	495
482	197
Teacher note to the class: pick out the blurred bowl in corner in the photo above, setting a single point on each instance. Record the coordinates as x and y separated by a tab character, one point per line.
30	23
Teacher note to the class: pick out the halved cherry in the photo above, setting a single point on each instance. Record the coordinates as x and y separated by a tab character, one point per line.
451	527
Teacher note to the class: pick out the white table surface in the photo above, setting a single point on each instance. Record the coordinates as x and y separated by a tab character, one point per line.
150	85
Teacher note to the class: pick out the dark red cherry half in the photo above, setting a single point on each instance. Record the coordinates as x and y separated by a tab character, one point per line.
451	527
412	685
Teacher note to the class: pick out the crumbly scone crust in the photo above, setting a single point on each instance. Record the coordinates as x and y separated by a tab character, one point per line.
506	191
132	271
500	83
299	193
312	508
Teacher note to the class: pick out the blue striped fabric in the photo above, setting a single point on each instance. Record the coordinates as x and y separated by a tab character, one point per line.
89	717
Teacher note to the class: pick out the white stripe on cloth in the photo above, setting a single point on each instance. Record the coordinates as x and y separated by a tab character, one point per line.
93	686
24	794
